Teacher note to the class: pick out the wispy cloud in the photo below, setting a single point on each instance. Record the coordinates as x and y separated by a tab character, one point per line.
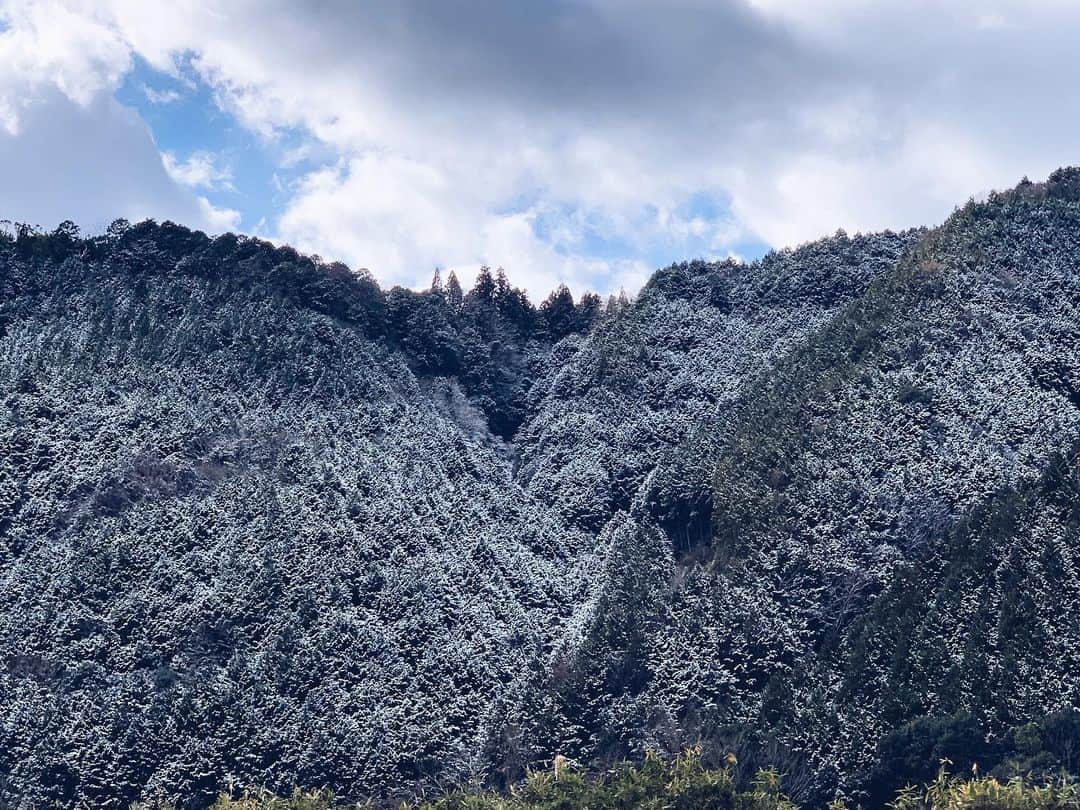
200	170
991	21
161	96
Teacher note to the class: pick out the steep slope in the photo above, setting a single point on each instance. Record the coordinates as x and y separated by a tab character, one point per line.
238	537
624	402
978	635
261	520
848	462
620	412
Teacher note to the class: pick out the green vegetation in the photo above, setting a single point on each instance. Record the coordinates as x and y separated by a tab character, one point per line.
955	793
687	783
683	783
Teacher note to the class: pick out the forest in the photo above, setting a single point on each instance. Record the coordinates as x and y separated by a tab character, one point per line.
795	532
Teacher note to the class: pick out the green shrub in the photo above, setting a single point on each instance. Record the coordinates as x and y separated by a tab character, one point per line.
987	793
263	800
686	783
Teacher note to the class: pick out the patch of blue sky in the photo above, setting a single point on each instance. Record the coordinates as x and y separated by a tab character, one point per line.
185	119
700	227
711	231
571	230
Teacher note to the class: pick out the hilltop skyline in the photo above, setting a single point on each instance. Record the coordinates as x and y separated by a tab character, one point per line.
584	142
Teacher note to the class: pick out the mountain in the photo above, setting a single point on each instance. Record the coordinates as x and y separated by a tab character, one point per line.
261	520
779	617
240	534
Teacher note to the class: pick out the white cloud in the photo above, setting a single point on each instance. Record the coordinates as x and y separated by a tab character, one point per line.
48	44
200	170
529	135
218	220
405	217
160	96
67	149
917	180
112	169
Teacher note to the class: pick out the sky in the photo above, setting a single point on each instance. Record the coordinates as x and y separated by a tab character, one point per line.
584	142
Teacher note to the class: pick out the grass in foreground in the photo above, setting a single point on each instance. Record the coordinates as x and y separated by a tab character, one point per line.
686	784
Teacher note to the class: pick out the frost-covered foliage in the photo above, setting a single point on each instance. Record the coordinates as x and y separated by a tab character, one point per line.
847	469
261	520
629	394
237	536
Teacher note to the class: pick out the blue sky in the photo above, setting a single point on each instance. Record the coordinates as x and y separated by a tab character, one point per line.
577	141
185	121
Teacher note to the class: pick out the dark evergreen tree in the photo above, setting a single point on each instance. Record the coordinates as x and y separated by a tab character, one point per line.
454	296
588	310
559	313
483	291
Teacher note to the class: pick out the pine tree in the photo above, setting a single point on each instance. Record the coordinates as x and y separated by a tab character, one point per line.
559	313
454	295
484	288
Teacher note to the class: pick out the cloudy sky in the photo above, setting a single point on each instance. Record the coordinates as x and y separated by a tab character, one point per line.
585	141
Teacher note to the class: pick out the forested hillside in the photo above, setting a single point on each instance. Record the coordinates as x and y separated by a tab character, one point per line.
244	530
263	521
903	440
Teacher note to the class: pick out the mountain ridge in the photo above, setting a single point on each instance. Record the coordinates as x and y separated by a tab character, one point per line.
264	519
